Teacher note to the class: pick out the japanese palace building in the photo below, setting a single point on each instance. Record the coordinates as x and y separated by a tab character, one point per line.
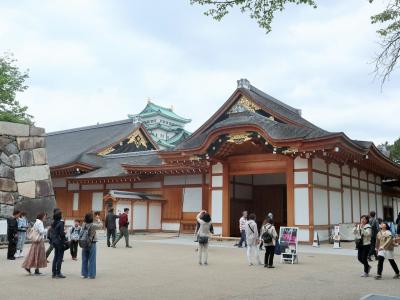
255	153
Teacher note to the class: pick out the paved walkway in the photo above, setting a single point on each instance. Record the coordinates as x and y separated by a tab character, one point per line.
161	267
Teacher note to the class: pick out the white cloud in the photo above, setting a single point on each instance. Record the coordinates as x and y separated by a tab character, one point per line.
97	61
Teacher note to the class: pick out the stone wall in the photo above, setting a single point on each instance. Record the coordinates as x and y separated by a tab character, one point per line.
25	182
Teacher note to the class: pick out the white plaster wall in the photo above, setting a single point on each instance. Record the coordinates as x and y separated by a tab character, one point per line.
372	202
97	201
319	164
334	169
346	169
301	209
323	234
216	206
371	177
319	179
170	226
91	187
347	213
378	180
363	185
122	186
356	205
75	201
364	203
371	187
218	230
355	183
73	186
346	180
335	182
182	180
139	216
300	163
155	216
379	209
363	175
300	177
354	172
192	199
147	184
320	201
378	189
59	182
216	181
217	168
304	235
335	201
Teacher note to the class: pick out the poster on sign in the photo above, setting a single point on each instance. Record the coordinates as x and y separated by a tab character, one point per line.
288	240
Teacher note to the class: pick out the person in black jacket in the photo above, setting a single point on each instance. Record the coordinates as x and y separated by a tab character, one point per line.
111	226
12	234
58	240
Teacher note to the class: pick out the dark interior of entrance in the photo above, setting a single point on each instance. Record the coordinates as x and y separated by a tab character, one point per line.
259	194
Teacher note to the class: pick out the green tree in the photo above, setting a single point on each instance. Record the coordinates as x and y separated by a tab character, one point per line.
12	81
263	12
394	150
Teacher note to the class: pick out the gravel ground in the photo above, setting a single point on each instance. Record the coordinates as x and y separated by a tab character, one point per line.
158	267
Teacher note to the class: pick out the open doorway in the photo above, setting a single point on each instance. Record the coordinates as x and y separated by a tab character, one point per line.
259	194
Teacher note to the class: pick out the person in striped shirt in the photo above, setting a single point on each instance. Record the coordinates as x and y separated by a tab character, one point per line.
242	227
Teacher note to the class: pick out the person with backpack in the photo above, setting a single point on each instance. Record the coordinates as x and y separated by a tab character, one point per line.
385	249
74	239
373	222
268	237
87	241
123	229
58	241
111	226
362	233
36	257
252	239
204	232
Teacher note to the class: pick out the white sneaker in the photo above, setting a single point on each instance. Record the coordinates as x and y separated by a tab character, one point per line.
364	275
16	255
21	254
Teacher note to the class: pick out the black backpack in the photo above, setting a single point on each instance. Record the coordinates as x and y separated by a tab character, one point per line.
267	236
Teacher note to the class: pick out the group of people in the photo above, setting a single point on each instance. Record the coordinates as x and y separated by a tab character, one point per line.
374	239
253	240
60	240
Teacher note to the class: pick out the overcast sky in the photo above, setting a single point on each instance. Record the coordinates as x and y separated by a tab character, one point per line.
97	61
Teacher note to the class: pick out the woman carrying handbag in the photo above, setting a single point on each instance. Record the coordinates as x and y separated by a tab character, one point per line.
36	257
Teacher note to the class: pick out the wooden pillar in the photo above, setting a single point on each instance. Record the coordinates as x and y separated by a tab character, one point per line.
290	192
310	201
226	204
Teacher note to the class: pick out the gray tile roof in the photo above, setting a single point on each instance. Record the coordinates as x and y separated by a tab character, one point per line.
72	145
111	164
275	129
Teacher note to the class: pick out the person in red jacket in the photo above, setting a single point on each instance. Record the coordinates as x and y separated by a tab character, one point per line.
123	228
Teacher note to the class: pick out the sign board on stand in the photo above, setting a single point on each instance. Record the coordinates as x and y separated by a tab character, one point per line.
288	240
